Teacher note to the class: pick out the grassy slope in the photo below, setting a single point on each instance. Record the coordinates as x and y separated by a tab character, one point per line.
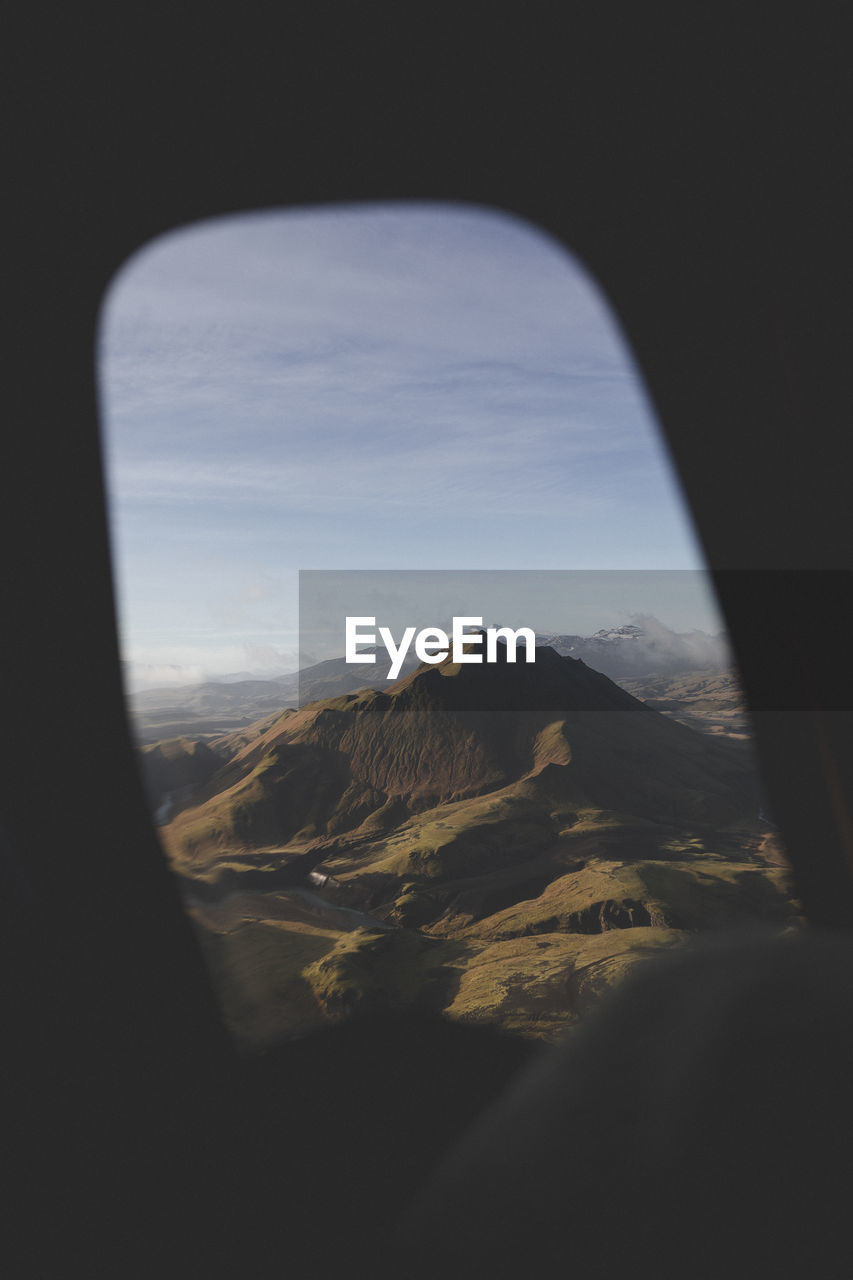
512	889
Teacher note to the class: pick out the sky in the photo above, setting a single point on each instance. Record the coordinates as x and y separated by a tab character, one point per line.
404	386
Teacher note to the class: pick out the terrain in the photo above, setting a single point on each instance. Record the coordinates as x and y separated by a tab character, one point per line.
708	700
213	707
498	843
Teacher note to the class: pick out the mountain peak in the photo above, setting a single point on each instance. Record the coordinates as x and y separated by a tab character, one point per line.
551	683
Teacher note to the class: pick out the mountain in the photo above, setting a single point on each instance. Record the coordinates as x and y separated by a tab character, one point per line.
449	732
213	707
498	841
634	650
161	677
172	771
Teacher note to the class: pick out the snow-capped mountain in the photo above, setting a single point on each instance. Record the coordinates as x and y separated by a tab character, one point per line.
632	649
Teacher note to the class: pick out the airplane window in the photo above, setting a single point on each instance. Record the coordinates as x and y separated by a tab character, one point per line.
434	705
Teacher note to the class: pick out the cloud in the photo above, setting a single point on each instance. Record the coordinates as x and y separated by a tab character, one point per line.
348	386
157	666
693	648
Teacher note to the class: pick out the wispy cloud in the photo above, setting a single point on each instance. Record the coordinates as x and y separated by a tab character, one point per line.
339	386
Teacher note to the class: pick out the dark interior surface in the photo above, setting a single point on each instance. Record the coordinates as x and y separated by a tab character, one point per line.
699	168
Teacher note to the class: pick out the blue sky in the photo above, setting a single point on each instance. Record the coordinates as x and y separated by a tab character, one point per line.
388	387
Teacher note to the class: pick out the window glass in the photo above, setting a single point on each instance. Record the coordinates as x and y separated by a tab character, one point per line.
409	414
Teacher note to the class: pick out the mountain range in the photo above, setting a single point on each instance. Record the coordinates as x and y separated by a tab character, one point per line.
498	842
633	650
628	651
